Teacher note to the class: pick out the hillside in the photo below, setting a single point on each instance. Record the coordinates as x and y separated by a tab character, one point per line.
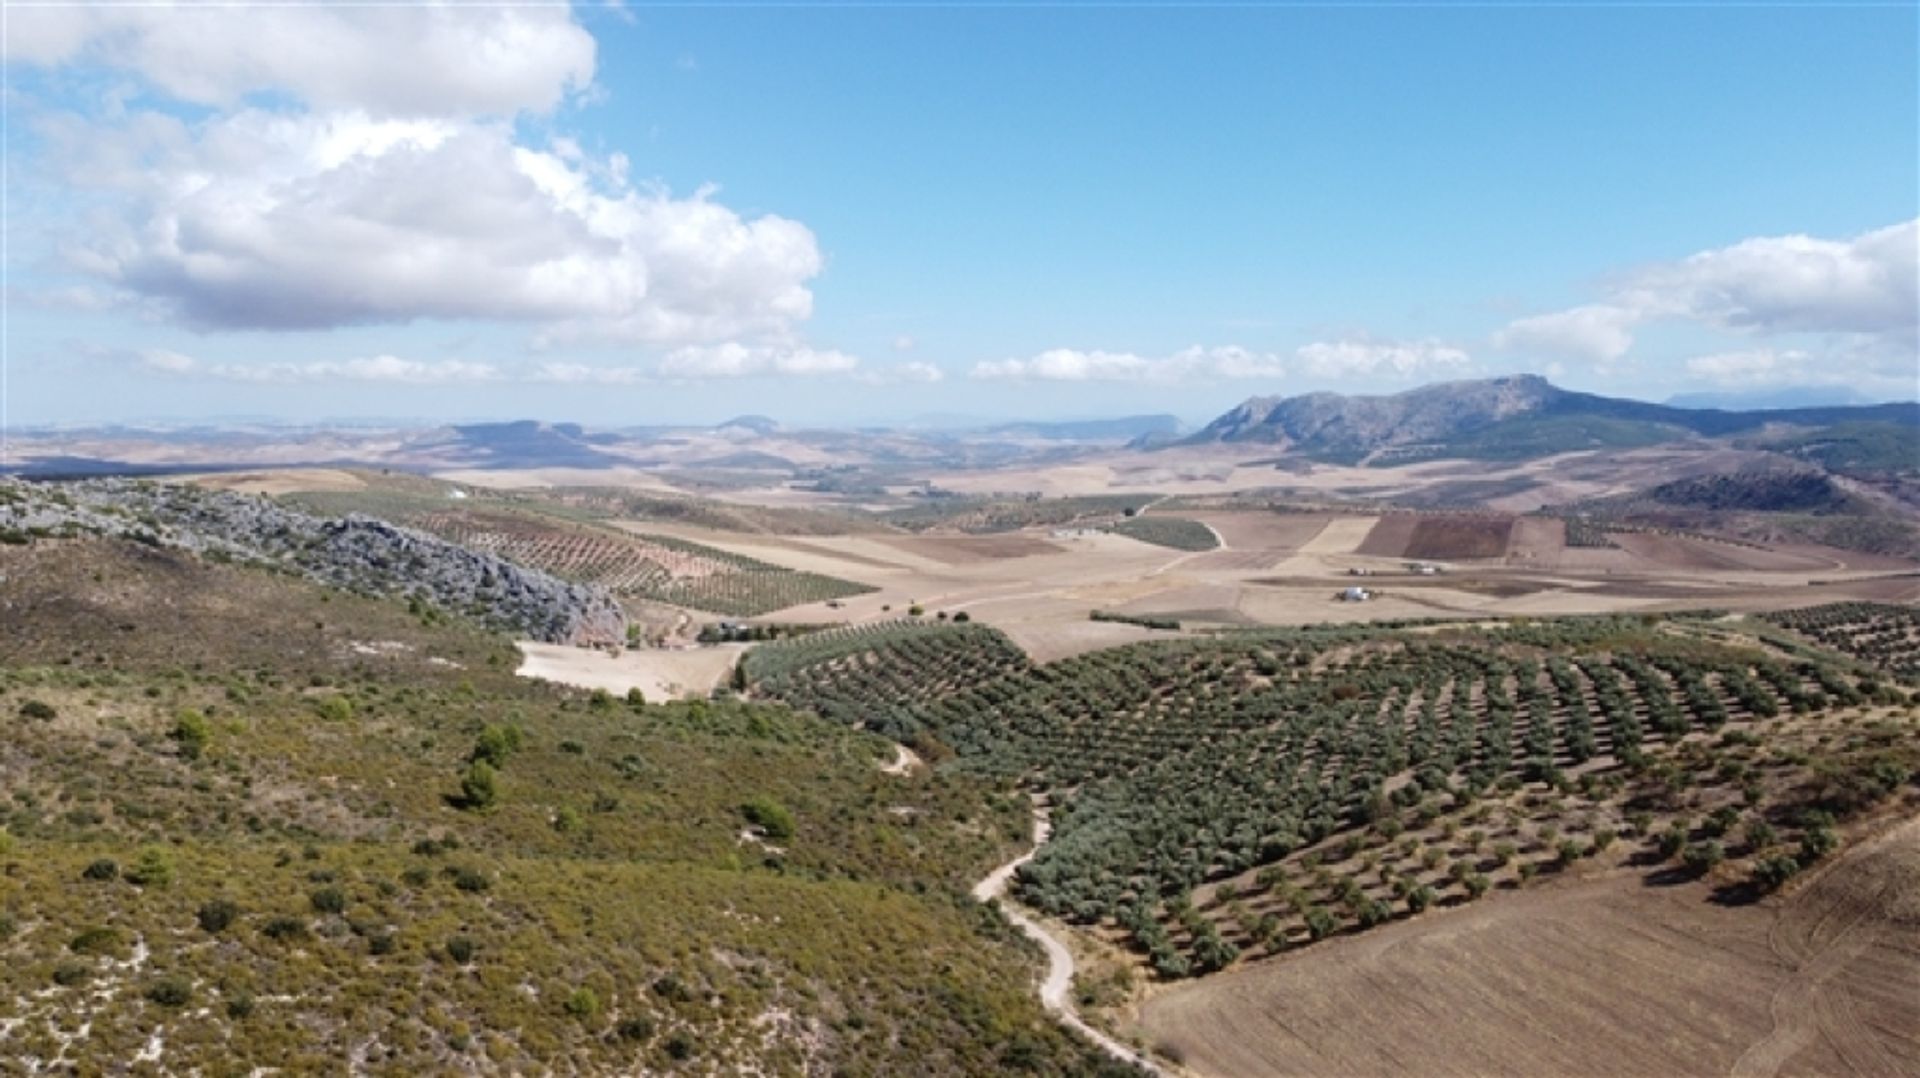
1510	417
1771	505
354	552
259	824
1215	800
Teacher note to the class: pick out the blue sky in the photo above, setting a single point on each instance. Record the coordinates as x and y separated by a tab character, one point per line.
864	214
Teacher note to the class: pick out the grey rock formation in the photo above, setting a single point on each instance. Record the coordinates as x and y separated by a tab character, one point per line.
354	553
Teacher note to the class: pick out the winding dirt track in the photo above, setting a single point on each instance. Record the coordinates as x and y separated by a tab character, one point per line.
1056	991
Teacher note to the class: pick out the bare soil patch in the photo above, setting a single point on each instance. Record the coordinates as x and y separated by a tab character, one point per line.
1459	538
1342	535
1263	530
659	673
281	481
1389	538
969	550
1654	980
1537	541
1687	552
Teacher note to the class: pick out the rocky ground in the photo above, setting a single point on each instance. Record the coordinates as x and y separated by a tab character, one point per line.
356	553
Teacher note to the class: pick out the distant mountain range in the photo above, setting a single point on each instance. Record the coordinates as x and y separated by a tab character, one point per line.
1508	418
1094	430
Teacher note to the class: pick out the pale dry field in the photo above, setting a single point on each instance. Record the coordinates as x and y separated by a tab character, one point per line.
659	674
279	481
1287	569
1605	975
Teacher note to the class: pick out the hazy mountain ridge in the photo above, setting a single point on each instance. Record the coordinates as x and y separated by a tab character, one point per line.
1539	415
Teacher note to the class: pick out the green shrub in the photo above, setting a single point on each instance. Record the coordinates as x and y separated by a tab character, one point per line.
471	879
284	929
104	868
584	1004
479	787
461	949
679	1046
172	991
216	915
498	742
192	732
328	900
37	709
98	940
770	816
153	869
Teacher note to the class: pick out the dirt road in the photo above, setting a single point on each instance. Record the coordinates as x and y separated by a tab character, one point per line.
1056	991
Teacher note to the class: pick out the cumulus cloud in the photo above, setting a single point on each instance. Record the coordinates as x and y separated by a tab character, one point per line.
1789	284
1598	333
441	59
1189	364
1365	356
1867	286
386	369
734	359
263	220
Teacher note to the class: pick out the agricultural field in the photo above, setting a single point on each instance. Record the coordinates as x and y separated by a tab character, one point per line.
1230	798
653	567
978	516
1176	533
1883	636
261	824
1656	980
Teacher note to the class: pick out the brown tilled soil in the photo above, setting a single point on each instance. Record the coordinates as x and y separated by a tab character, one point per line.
1537	542
1608	975
1686	552
1261	530
1462	537
1389	538
968	550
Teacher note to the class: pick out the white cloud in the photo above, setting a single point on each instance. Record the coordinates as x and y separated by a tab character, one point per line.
1794	284
1597	333
439	59
584	374
1867	287
1189	364
385	369
734	359
903	343
911	372
266	220
1365	356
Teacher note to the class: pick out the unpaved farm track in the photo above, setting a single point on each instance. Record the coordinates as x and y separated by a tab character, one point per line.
1056	991
1823	933
1601	975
